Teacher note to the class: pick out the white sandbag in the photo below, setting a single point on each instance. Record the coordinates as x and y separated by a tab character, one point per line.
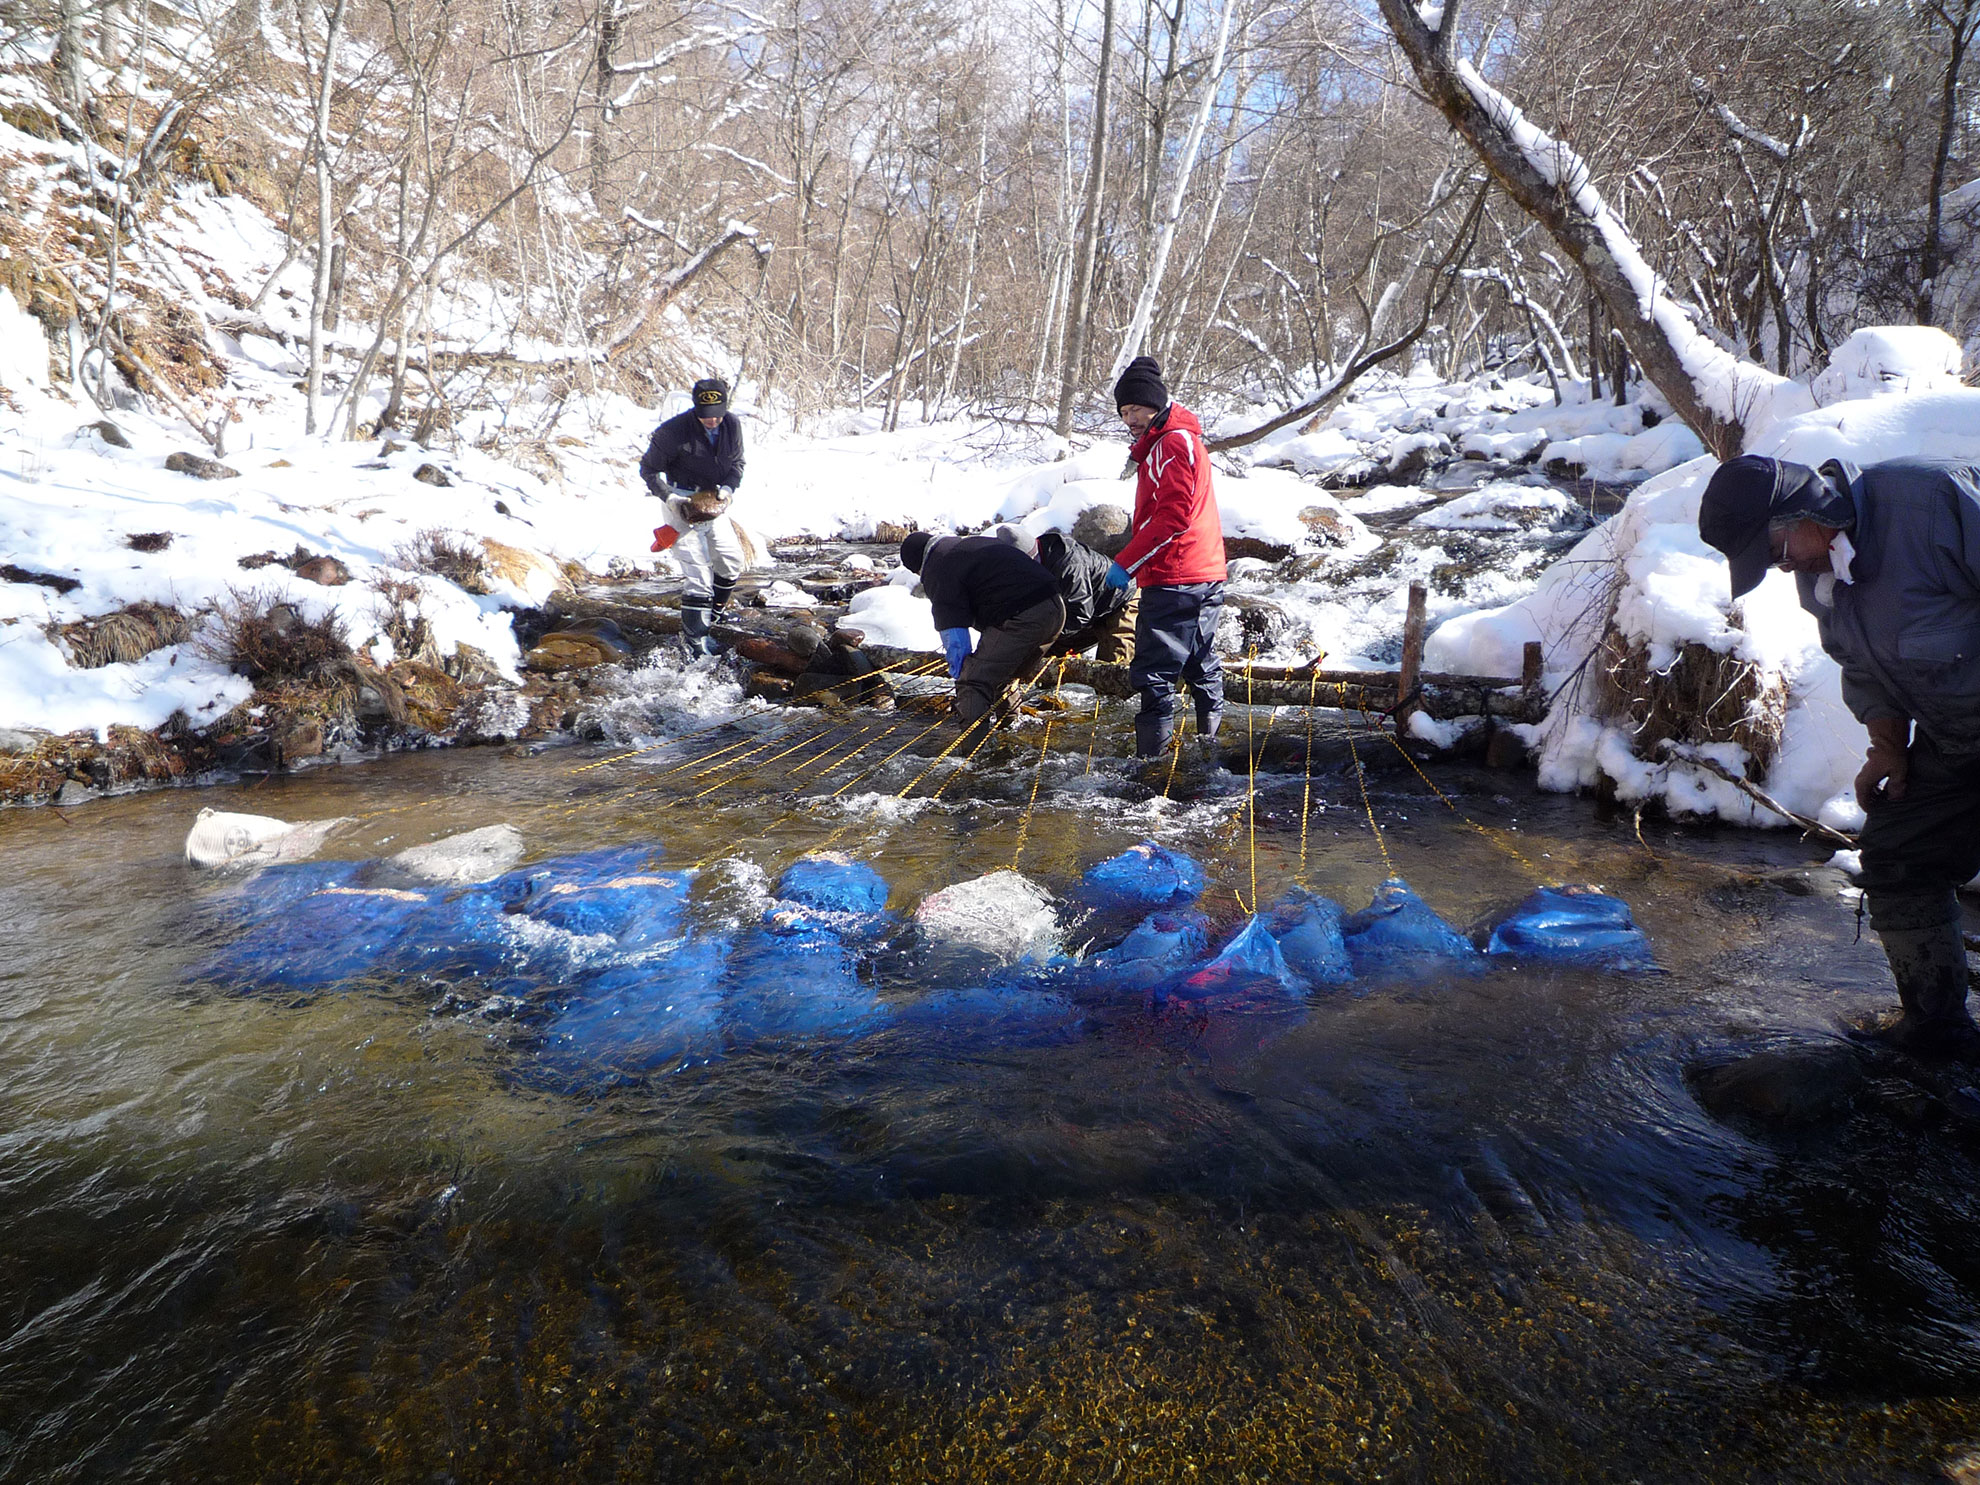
219	838
457	860
1004	915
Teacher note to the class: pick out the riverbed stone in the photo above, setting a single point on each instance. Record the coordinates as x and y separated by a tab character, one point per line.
1105	528
579	645
459	860
1786	1087
328	572
200	467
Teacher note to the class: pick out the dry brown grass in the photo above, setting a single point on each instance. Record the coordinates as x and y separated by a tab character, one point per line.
445	555
398	611
122	636
1702	697
271	643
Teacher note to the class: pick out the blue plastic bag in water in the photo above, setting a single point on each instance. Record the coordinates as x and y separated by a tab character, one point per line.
1571	925
798	980
1397	930
830	883
1250	962
1161	944
1307	927
1148	875
639	910
334	933
657	1014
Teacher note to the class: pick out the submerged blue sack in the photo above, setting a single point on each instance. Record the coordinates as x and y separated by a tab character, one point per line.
334	933
798	980
639	910
1249	962
1570	925
656	1014
831	883
1307	927
1160	945
1148	875
1398	930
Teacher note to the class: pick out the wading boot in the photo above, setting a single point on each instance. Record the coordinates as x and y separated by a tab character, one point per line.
1929	965
696	617
1151	735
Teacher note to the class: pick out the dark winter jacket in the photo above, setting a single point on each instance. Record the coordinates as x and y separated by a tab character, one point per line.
1082	575
681	455
1178	536
1906	627
979	582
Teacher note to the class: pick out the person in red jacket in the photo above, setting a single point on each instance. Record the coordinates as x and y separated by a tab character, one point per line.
1175	554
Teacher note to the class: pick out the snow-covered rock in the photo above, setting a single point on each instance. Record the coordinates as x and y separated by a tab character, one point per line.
1885	359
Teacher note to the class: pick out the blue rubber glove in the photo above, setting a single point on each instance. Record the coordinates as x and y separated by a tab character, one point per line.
1117	576
955	644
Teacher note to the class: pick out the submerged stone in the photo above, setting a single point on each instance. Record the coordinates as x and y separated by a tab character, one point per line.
1399	931
1147	875
1570	925
1004	915
1786	1087
1307	928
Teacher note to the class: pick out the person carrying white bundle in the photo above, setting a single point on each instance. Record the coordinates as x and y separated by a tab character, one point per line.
694	463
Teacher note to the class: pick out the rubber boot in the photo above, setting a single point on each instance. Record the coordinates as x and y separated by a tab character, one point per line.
1207	724
1929	965
1151	734
696	616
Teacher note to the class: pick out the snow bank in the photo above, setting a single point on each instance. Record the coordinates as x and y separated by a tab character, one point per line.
1664	587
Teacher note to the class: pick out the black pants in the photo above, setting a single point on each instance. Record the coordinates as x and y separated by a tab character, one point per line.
1918	850
1174	640
1006	652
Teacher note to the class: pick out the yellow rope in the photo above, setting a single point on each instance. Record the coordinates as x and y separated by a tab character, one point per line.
1024	824
1306	797
1496	837
1361	778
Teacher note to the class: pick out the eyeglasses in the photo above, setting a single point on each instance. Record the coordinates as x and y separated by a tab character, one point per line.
1777	539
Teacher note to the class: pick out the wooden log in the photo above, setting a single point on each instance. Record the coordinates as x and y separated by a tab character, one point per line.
1532	661
1443	696
1411	668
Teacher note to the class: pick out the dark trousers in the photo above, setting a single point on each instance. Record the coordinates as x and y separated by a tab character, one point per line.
1918	850
1012	650
1174	640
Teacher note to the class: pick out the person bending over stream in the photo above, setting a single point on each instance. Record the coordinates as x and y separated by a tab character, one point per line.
981	583
1887	559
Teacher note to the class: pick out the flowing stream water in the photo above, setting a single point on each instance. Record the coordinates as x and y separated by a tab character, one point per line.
1469	1227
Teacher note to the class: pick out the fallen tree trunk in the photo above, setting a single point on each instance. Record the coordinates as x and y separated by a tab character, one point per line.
1440	696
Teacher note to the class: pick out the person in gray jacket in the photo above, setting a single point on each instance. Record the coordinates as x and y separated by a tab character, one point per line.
1887	559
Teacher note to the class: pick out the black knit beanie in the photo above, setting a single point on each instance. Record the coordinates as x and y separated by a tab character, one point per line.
913	549
1142	385
710	396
